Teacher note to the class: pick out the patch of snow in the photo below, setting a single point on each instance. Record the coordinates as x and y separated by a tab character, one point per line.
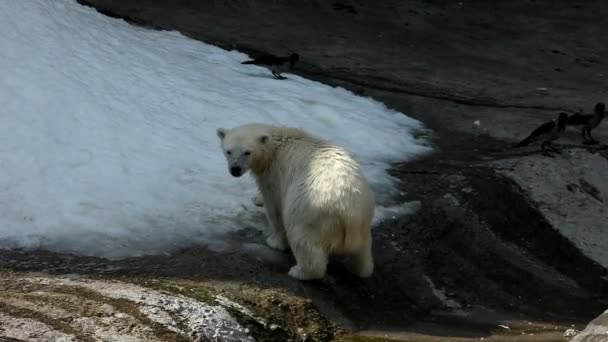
107	132
395	211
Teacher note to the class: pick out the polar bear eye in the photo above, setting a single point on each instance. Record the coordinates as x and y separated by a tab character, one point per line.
228	152
247	153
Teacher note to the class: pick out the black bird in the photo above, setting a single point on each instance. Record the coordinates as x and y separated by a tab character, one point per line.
276	64
547	133
589	122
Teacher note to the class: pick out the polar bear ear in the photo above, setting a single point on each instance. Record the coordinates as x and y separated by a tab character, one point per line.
221	133
263	139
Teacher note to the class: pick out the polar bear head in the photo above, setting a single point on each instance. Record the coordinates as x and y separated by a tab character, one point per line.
244	147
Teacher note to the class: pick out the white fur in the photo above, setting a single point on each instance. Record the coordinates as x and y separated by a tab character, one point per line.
316	198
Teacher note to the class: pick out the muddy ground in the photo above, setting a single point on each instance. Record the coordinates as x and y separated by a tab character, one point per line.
484	257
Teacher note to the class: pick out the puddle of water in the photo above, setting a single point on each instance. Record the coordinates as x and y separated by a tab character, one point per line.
376	336
433	332
474	327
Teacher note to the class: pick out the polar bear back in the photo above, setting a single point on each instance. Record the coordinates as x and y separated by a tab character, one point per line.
307	176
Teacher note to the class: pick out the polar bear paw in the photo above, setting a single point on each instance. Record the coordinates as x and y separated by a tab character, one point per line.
362	264
298	272
277	241
258	200
362	269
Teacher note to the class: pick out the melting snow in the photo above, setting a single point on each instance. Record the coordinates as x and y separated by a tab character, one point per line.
107	132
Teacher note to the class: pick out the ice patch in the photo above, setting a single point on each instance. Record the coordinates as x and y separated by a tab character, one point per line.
107	132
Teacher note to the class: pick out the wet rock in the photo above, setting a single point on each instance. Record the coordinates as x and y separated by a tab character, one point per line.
571	193
570	333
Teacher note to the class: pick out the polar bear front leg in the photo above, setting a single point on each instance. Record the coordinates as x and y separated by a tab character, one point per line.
276	239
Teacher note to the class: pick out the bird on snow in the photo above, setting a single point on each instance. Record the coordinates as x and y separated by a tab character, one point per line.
276	64
589	122
546	134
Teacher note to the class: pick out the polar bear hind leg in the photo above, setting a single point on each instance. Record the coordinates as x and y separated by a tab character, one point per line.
361	262
310	254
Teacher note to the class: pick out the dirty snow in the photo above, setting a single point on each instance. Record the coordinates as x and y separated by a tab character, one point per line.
395	211
107	132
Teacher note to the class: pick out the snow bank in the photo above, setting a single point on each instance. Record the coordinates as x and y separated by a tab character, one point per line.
107	132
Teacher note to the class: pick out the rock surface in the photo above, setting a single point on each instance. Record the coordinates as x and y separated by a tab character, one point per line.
73	308
596	330
572	193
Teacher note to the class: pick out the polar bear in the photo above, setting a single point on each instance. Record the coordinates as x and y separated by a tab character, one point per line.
316	198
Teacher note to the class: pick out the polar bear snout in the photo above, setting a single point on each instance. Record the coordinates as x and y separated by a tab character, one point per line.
236	171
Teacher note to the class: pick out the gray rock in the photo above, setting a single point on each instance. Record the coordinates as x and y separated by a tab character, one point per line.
596	330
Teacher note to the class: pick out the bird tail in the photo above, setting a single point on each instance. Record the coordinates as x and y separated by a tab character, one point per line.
248	62
524	142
